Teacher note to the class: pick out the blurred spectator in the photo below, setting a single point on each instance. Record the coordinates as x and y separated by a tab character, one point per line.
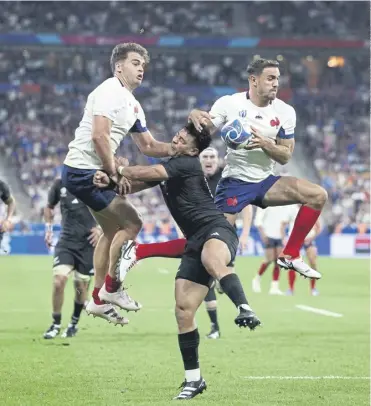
260	18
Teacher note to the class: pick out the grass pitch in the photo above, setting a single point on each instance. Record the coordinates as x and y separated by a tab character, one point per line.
296	358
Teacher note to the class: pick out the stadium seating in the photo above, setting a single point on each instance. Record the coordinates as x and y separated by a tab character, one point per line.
43	90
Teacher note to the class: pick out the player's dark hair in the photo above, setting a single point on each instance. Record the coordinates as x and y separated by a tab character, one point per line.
121	51
257	66
202	138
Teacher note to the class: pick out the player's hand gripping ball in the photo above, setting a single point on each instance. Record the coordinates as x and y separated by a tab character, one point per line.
234	135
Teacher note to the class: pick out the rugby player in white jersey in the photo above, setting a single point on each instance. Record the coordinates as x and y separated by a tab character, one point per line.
111	113
269	225
248	176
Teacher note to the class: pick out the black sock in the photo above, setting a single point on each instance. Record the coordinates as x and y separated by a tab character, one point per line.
232	287
188	345
213	317
76	312
57	318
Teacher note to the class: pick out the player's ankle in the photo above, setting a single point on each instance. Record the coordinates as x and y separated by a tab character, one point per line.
112	285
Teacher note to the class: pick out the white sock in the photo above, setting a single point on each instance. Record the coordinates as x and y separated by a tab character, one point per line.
193	375
274	285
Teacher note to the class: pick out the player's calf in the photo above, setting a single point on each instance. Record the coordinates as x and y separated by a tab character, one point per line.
188	297
215	257
59	284
211	308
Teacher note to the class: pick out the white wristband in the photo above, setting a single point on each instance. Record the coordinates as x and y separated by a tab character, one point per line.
120	170
48	227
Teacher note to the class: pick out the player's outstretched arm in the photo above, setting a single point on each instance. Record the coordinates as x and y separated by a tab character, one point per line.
150	146
150	173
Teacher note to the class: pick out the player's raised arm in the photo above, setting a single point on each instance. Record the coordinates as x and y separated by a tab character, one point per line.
149	146
144	173
212	121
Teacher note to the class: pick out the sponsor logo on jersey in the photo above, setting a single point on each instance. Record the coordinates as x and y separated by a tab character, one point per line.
63	192
75	201
242	113
258	117
214	234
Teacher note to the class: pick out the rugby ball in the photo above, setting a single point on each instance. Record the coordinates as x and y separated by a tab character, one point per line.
234	134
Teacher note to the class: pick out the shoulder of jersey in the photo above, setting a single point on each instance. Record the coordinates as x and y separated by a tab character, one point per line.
235	97
283	107
111	83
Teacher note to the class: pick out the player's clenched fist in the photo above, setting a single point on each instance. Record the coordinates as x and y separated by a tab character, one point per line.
101	179
121	184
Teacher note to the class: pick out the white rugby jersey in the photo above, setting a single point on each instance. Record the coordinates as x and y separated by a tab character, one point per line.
271	219
112	100
276	119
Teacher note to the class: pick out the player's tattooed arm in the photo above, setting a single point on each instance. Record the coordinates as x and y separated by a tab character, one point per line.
151	147
281	151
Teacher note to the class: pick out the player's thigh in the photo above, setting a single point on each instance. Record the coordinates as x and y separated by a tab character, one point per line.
291	190
63	262
192	269
277	251
269	254
84	268
219	250
188	296
119	214
231	218
215	257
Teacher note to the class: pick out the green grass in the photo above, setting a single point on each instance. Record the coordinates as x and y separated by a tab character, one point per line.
139	364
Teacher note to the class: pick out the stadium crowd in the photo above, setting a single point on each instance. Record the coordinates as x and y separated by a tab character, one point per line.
43	91
38	121
342	19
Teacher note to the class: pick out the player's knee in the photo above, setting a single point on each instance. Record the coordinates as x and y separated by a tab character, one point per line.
135	225
318	198
321	196
184	315
59	283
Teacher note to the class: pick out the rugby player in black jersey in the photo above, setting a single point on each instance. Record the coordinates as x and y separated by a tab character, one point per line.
211	243
209	159
73	254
